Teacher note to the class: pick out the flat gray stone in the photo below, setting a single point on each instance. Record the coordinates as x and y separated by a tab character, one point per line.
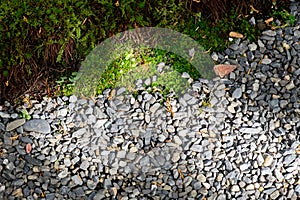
100	123
289	159
250	130
237	93
269	33
73	99
84	165
15	124
4	115
252	47
77	180
32	160
63	112
266	61
37	125
79	132
197	148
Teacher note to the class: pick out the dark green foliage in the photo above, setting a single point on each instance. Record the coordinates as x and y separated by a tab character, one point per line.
46	37
42	41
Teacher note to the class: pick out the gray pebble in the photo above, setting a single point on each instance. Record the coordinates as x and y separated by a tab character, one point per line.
15	124
237	93
37	125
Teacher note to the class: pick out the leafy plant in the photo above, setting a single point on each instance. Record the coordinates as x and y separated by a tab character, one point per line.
142	65
24	115
66	84
205	103
284	16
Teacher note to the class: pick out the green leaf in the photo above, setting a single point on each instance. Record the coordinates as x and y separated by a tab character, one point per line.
28	55
5	73
142	4
78	33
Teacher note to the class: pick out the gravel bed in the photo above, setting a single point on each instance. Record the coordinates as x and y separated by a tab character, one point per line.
244	145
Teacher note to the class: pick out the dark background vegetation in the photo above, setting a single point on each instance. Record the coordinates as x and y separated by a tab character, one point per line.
41	41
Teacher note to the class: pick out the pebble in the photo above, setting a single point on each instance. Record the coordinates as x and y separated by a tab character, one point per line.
288	159
63	174
266	61
275	194
15	124
268	161
37	125
249	130
252	47
269	33
77	180
201	178
237	93
235	188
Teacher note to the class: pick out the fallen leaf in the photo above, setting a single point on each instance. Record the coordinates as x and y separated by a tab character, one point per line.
14	137
25	19
28	148
249	71
253	9
17	193
269	20
180	173
223	70
235	35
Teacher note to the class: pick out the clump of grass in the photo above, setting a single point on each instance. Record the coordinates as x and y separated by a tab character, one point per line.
142	65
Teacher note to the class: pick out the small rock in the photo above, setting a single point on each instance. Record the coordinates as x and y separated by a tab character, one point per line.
79	132
250	130
244	167
255	86
252	47
72	99
235	188
289	159
63	174
37	125
32	160
237	93
15	124
231	109
250	187
266	61
91	184
268	161
275	194
4	115
63	112
185	75
269	33
290	86
201	178
77	180
84	165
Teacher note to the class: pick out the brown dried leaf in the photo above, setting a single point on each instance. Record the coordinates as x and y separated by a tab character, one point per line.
14	137
235	35
269	20
253	9
180	174
223	70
